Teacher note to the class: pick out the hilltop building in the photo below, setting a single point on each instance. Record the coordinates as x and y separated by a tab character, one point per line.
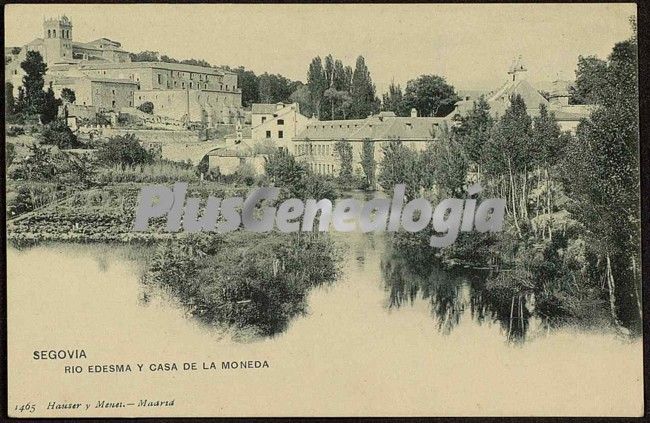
104	79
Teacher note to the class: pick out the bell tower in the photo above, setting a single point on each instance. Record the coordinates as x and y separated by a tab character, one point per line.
57	38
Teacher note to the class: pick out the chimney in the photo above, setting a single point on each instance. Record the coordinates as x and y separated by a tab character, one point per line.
414	112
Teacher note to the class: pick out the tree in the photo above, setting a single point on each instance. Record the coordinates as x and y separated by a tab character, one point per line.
124	150
145	56
274	88
368	163
51	105
196	62
473	132
146	107
393	100
317	84
68	95
248	82
590	80
601	172
430	95
364	100
59	134
33	83
446	161
301	96
344	151
10	102
400	165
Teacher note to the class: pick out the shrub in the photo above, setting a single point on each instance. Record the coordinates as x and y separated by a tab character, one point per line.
146	107
123	150
59	134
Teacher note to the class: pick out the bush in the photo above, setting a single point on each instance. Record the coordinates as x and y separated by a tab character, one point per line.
146	107
59	134
123	150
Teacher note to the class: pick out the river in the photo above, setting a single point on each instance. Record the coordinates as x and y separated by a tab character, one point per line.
360	350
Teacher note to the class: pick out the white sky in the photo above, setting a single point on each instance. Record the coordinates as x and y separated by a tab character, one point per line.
470	45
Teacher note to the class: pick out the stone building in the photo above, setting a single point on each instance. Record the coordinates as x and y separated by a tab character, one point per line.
57	46
103	94
105	76
315	145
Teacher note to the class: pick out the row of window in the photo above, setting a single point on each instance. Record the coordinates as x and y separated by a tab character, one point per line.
317	149
65	33
322	168
280	134
280	122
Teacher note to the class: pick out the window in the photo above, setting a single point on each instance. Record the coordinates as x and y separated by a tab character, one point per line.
190	85
159	78
113	92
263	119
268	134
280	134
280	121
113	103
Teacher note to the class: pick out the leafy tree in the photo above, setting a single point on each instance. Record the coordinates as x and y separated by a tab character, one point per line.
33	83
124	150
590	80
59	134
393	100
248	82
601	172
10	101
274	88
447	163
344	151
68	95
146	107
364	100
50	106
196	62
317	84
145	56
167	59
473	132
400	165
430	95
368	163
301	96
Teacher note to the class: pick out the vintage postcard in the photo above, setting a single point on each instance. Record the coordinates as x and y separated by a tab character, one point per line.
323	210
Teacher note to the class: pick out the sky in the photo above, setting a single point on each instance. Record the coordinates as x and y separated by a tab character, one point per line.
470	45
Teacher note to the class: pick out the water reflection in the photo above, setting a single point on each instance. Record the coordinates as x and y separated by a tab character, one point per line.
451	293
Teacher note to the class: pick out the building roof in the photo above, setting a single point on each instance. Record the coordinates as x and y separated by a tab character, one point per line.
499	100
157	65
379	127
263	108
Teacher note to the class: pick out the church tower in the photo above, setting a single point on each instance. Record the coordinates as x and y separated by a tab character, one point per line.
57	38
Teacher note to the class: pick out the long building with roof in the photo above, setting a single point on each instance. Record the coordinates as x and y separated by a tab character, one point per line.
315	145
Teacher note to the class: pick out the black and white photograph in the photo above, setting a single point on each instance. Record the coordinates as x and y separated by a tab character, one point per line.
244	210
